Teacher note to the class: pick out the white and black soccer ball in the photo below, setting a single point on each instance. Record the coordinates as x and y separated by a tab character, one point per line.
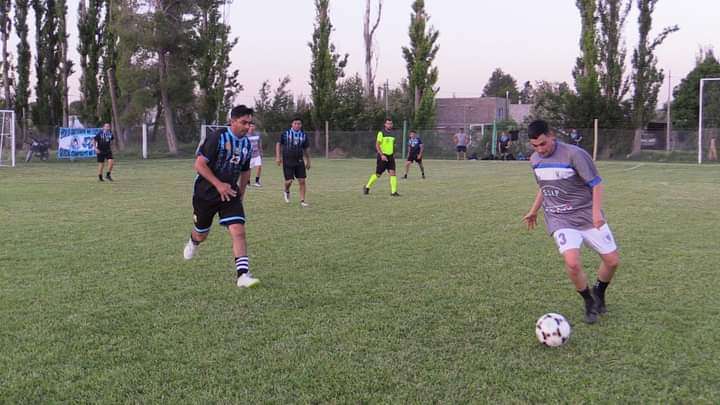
553	330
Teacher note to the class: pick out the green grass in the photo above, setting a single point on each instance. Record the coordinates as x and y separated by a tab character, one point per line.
431	297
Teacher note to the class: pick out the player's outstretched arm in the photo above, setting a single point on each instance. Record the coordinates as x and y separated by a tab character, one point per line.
306	153
225	190
277	154
531	217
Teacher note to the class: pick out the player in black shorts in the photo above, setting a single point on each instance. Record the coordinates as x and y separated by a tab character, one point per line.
295	158
103	151
223	158
415	153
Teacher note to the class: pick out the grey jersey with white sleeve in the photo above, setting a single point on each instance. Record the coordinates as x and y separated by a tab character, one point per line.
566	179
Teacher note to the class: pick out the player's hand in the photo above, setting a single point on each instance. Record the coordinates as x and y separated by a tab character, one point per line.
383	158
531	220
278	161
598	221
226	192
307	165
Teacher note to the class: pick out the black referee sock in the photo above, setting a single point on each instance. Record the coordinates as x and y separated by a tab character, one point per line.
242	265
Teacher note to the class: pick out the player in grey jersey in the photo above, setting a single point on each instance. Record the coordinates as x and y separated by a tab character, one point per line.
571	195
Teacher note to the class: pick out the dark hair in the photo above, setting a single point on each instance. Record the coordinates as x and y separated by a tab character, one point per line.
537	128
297	119
412	131
240	111
387	119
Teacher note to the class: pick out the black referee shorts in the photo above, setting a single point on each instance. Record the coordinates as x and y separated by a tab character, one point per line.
382	165
230	212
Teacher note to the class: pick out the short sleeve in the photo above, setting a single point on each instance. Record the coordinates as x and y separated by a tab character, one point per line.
379	137
208	148
281	140
97	137
246	163
420	141
585	167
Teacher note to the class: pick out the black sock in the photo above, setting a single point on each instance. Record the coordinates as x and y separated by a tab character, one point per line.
587	296
108	174
194	242
242	265
600	287
100	176
257	179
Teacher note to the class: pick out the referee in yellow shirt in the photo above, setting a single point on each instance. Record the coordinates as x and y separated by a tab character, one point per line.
385	148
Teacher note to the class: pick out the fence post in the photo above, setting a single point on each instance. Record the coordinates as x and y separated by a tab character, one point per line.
327	140
404	138
493	147
595	142
144	141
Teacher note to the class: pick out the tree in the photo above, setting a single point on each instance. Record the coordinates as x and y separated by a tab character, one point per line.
22	89
551	102
5	28
422	76
89	47
212	61
274	110
326	68
526	95
368	33
611	69
65	66
646	77
686	95
47	110
586	105
354	112
501	84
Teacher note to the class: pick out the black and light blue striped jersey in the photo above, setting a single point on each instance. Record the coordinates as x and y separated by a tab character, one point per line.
414	145
102	140
227	156
293	143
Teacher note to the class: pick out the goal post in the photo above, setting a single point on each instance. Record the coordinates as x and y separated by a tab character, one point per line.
700	115
7	138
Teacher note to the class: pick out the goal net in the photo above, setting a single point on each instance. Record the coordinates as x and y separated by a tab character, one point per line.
709	119
7	138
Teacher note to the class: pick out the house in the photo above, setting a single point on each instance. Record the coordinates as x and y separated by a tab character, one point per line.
465	112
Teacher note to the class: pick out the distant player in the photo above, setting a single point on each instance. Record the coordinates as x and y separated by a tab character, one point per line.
415	153
295	159
504	145
571	195
385	149
103	151
461	144
256	161
223	166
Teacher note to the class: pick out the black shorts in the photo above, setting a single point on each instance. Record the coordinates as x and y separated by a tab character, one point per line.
414	158
296	171
230	212
504	148
461	148
382	165
102	156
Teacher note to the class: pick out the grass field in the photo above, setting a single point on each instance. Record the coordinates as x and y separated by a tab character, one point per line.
431	297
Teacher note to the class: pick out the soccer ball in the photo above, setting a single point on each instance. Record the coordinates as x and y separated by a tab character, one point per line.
552	330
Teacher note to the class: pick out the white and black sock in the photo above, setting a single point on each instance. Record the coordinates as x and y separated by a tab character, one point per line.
242	265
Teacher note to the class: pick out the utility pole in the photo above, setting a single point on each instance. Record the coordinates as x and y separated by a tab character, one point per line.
668	125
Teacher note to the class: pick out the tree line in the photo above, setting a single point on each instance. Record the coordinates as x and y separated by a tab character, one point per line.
167	62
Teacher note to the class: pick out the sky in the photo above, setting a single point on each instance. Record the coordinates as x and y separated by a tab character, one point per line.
530	39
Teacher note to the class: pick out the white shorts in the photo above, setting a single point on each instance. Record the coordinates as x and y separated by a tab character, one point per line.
256	161
600	240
